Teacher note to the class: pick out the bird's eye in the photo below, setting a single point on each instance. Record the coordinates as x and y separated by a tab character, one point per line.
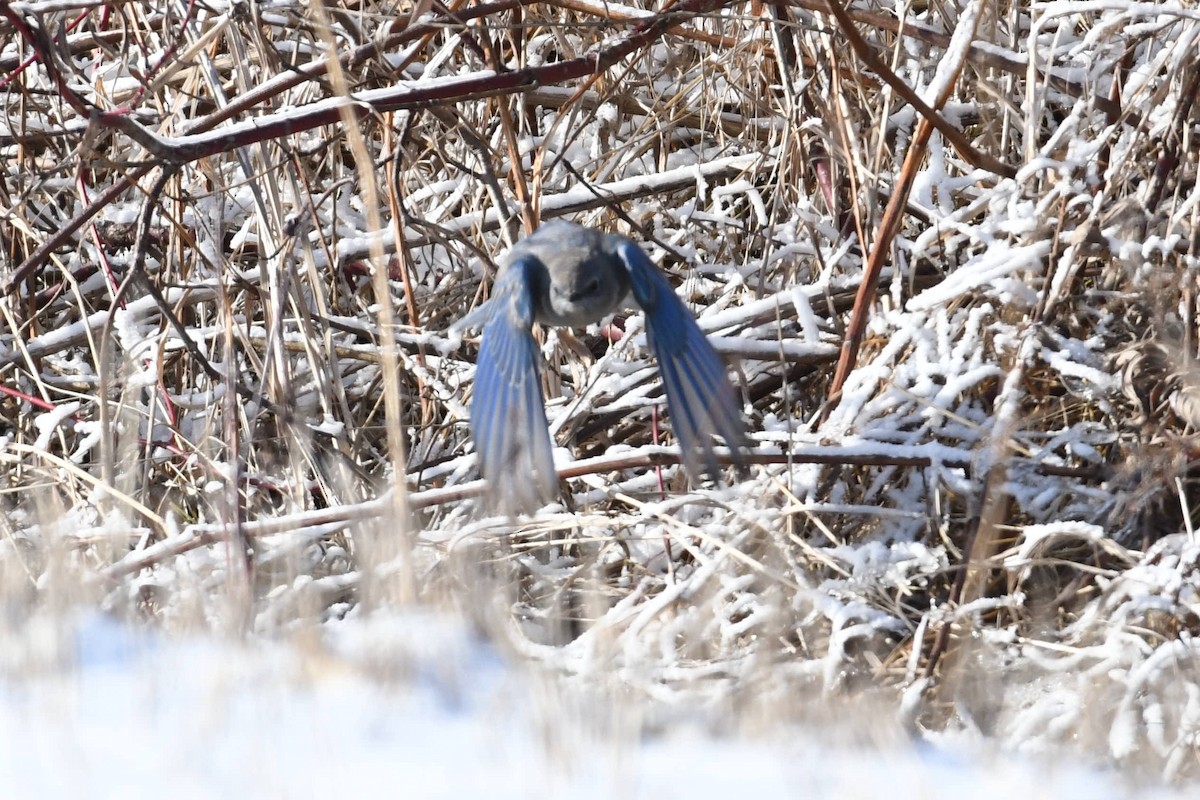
584	291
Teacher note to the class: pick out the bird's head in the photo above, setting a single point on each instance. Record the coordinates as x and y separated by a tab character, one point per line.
582	278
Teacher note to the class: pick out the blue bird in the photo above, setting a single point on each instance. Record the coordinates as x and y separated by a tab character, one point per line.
566	274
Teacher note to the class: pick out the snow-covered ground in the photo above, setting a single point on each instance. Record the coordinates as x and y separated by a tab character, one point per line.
417	705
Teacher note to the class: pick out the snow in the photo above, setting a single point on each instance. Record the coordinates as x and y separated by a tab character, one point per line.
47	422
416	704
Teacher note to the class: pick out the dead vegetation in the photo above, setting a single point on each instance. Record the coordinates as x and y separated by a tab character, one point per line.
233	236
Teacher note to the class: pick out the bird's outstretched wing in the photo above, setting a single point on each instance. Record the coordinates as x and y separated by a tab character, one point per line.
700	398
508	413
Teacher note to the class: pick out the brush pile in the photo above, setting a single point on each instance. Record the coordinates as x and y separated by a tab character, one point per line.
232	239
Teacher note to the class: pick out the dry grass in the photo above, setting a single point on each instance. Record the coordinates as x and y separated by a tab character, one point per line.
227	285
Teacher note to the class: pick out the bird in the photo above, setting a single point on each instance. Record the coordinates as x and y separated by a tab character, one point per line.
565	274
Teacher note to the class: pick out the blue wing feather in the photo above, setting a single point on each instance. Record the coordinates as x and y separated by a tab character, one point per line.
508	413
701	401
